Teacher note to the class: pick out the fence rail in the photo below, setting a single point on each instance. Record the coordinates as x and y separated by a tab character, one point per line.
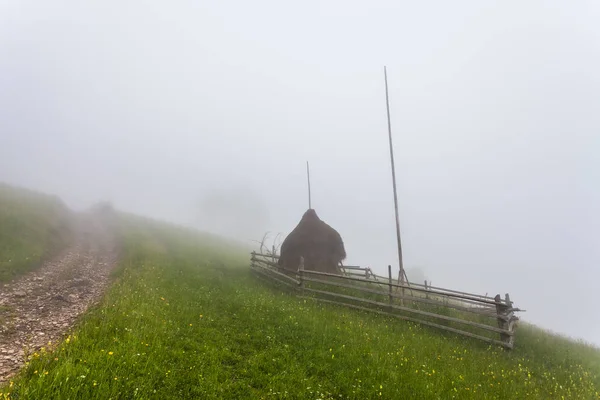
491	319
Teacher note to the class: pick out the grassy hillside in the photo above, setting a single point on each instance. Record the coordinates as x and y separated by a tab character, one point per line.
33	227
185	319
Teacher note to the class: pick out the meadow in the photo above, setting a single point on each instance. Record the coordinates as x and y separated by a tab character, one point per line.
33	227
185	319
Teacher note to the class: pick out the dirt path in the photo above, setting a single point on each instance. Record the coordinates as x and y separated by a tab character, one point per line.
41	306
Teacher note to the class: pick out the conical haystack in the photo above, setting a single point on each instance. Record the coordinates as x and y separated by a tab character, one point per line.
320	245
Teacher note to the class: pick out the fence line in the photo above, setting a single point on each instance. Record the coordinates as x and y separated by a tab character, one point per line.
447	328
479	311
279	274
396	285
426	305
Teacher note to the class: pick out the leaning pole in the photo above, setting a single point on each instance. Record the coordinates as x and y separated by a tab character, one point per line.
401	273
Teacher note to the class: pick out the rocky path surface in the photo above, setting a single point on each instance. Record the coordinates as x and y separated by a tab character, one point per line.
41	306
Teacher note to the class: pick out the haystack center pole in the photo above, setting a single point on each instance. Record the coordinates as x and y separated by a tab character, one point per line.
387	103
308	177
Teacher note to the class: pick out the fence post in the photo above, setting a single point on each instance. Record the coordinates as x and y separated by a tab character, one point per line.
426	289
301	275
391	299
507	300
510	323
273	254
252	259
401	290
503	318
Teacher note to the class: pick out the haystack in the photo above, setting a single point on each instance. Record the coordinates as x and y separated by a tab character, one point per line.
320	245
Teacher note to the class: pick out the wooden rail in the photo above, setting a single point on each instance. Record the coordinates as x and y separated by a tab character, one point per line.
447	328
395	285
426	305
478	311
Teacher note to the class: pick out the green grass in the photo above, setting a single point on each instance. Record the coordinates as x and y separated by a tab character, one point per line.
33	227
185	319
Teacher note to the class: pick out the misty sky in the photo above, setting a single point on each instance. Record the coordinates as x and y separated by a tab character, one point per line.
204	113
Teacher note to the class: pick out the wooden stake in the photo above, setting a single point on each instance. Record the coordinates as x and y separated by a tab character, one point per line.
308	178
502	311
391	299
387	103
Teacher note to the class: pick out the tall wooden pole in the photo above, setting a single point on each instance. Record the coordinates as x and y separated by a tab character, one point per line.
308	178
387	103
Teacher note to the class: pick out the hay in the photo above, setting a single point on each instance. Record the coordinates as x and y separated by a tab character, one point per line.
320	245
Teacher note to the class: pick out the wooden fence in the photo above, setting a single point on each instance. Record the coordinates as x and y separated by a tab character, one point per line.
491	319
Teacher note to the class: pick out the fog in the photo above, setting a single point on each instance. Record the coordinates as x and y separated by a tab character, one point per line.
204	113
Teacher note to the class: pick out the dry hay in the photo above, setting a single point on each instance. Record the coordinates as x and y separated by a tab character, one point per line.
320	245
